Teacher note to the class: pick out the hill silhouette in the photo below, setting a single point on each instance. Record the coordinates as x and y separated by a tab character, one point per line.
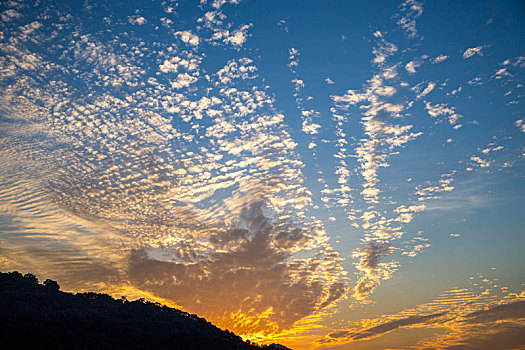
34	315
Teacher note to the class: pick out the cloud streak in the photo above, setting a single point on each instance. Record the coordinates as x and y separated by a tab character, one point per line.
469	319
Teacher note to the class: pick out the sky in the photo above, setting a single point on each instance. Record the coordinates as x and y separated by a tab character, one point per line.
320	174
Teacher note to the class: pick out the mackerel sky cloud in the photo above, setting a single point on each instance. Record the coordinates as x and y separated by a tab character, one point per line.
322	176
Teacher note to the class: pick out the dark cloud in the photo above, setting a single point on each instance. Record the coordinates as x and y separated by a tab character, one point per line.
494	327
364	287
385	327
369	263
501	337
371	254
497	327
500	312
256	286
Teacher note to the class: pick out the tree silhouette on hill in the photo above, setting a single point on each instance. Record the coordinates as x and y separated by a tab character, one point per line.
34	315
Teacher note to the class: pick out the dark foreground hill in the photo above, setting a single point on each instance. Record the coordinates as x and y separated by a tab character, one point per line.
40	316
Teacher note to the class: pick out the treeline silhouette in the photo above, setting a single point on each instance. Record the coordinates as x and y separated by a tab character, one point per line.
40	316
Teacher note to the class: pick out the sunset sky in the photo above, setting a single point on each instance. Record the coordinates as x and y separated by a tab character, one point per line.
326	174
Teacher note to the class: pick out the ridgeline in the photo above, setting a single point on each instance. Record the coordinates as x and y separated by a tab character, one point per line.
40	316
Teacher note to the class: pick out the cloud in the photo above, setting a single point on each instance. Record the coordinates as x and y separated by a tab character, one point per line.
430	87
380	134
251	272
469	318
502	72
298	84
310	128
385	132
472	51
137	20
411	10
439	59
385	327
239	36
499	337
383	50
219	3
411	66
443	110
153	167
499	326
374	271
520	123
161	178
188	37
456	91
518	61
311	118
482	163
9	15
512	310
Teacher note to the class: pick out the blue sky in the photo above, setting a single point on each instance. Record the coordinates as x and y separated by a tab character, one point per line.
322	174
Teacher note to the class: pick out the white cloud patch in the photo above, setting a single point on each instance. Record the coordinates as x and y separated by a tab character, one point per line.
178	64
439	59
474	51
443	110
427	90
456	91
9	15
236	38
411	10
502	72
188	37
520	123
476	81
239	36
482	163
298	84
383	50
310	128
240	69
411	66
137	20
219	3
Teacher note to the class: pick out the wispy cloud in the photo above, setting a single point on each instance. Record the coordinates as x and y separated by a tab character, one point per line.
471	319
472	51
411	10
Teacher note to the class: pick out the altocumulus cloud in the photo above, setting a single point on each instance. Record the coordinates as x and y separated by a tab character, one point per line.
114	181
